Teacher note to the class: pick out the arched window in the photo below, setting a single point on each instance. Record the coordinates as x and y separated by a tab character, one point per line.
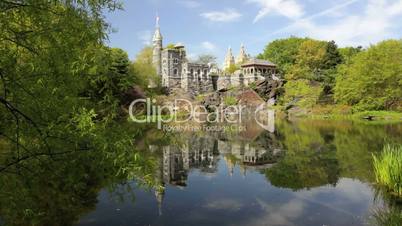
175	71
252	70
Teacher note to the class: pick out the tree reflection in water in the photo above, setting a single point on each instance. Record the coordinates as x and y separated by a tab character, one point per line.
302	155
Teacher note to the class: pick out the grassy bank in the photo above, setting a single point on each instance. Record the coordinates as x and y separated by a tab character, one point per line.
389	116
341	112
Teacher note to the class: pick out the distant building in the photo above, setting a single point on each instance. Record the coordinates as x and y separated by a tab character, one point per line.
243	56
258	68
177	72
175	69
229	60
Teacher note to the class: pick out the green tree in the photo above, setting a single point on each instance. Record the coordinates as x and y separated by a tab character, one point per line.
302	91
373	78
232	69
170	46
332	56
143	69
348	53
111	77
309	62
283	52
206	59
59	84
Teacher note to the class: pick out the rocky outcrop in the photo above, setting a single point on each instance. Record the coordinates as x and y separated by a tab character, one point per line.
269	89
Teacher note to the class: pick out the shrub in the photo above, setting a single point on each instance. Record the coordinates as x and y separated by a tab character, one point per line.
388	169
303	91
230	101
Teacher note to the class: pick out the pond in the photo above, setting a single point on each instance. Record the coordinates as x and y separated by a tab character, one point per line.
306	172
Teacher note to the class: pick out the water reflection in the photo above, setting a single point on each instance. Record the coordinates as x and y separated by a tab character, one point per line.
303	173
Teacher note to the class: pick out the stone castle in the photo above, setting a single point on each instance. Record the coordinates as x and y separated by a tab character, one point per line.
177	72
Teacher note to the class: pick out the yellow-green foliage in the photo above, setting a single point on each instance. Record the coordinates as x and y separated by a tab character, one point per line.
230	101
310	58
388	169
373	78
303	91
143	69
232	68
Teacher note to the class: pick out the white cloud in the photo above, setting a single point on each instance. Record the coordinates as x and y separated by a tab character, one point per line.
375	24
145	37
208	46
224	204
191	4
228	15
288	8
284	214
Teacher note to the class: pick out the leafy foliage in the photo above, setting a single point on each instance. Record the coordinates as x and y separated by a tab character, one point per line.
283	52
372	79
232	69
348	53
60	88
143	70
302	91
206	59
388	169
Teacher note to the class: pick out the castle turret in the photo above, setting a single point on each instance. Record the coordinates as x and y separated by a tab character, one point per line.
157	49
229	59
242	57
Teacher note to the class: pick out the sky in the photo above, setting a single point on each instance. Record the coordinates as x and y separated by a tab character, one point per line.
211	26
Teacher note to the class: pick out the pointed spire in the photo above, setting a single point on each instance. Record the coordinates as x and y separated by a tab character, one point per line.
242	57
157	35
157	20
159	194
229	59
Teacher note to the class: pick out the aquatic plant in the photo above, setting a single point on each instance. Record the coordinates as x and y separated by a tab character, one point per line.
388	169
388	217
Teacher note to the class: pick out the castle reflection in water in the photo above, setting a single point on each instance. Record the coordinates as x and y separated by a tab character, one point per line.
253	149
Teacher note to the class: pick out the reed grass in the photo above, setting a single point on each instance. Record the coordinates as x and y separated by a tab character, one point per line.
388	169
388	217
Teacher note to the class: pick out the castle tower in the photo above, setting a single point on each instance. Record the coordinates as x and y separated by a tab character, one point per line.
157	49
242	57
229	59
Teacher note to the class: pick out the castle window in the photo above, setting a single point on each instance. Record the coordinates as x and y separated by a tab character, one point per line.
175	71
175	60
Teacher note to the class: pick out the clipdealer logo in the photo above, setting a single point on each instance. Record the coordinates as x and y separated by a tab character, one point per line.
168	113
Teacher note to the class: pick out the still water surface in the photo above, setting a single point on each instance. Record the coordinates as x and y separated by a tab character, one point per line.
305	173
